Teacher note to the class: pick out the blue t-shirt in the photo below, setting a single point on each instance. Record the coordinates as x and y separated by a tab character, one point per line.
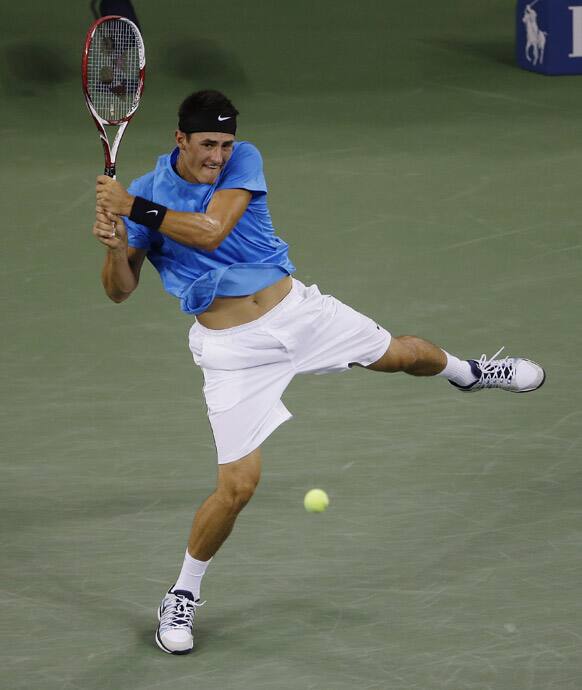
249	259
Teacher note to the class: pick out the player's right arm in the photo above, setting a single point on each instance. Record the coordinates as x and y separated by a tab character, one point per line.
120	274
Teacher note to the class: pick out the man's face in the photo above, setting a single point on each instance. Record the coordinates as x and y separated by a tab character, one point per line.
203	155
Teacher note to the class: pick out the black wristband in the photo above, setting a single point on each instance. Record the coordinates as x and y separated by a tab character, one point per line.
147	213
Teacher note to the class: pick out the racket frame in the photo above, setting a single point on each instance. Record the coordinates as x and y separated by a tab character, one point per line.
110	151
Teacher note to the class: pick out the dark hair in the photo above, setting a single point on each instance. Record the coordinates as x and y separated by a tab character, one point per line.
206	101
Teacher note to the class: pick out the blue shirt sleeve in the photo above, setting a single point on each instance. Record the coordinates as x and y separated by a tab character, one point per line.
244	170
138	236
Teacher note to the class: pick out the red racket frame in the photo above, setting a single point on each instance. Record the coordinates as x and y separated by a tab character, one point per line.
110	151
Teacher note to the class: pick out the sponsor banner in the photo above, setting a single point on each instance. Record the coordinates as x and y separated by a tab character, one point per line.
549	36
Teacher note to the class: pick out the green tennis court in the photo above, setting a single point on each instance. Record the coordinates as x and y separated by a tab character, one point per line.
422	178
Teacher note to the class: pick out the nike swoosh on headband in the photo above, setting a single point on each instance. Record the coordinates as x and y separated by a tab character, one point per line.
222	119
154	211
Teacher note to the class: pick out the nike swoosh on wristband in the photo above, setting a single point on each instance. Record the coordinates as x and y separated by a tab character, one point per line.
154	211
222	119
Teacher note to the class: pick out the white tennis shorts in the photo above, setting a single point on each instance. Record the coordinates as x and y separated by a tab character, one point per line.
247	368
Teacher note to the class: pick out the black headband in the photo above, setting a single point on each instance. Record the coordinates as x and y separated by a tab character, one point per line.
205	121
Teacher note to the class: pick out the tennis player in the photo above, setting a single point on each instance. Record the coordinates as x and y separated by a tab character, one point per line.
201	218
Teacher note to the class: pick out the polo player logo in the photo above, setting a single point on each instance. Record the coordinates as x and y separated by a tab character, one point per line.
536	38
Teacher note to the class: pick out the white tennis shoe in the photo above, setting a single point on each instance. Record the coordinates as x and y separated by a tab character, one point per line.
176	616
513	374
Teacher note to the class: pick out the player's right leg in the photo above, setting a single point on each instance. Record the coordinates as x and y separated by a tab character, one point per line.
212	524
246	371
215	519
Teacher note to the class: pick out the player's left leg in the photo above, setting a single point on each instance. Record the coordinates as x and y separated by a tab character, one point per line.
419	357
411	355
340	338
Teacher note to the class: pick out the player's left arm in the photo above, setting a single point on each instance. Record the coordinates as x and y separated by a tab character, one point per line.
208	230
199	230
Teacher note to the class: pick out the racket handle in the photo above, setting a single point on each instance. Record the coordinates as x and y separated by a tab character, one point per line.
110	170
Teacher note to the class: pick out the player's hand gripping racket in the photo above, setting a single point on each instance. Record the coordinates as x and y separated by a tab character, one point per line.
113	73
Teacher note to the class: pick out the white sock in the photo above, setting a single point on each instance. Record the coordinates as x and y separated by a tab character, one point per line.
191	575
458	371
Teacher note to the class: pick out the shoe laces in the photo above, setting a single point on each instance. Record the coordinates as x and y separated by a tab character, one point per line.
495	372
178	611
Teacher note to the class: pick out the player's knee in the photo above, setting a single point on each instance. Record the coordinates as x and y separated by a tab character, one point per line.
401	355
241	493
238	480
238	491
408	353
244	493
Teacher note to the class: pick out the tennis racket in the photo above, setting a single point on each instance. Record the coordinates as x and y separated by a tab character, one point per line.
113	72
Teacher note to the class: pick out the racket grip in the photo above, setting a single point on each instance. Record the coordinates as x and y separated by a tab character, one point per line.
110	171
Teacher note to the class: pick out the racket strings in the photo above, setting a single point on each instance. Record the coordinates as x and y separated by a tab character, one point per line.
113	70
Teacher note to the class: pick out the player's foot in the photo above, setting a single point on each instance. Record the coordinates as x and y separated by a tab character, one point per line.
176	616
513	374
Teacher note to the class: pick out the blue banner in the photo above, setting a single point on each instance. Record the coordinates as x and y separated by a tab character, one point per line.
549	36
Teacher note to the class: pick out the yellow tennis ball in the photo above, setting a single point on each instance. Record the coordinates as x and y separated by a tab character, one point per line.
316	501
